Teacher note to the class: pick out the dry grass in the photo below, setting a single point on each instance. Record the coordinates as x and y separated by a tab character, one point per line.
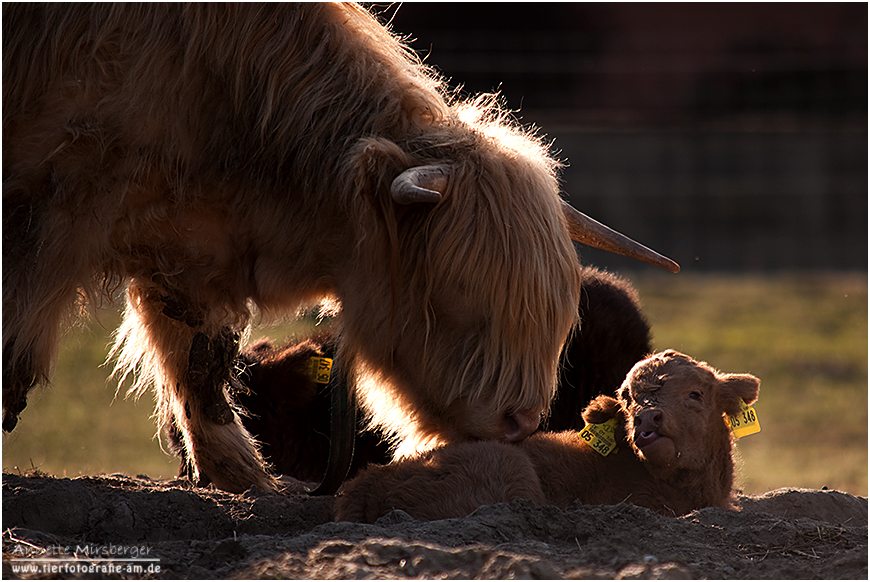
805	336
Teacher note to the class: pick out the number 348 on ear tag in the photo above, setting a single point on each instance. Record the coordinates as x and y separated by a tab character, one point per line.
745	423
600	436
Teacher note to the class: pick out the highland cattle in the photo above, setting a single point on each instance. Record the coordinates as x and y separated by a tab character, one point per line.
220	160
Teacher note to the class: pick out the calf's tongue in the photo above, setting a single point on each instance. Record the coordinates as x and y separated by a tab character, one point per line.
644	438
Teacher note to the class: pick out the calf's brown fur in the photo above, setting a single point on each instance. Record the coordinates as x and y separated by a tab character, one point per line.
674	454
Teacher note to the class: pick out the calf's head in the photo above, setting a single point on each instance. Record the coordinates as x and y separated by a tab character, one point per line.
673	407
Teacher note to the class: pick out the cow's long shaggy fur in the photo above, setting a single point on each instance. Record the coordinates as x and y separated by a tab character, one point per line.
220	157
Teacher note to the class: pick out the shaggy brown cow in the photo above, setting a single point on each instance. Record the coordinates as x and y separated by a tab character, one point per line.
288	413
220	158
673	455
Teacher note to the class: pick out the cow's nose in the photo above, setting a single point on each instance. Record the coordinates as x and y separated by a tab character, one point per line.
518	425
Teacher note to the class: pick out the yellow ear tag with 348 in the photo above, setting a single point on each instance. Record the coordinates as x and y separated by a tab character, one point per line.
745	423
600	436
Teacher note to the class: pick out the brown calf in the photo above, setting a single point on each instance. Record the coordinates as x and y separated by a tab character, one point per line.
673	455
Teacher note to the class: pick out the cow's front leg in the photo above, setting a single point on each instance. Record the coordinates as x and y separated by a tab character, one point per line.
209	371
222	451
190	360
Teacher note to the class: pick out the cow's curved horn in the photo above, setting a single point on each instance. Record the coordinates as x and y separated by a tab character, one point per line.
420	184
591	232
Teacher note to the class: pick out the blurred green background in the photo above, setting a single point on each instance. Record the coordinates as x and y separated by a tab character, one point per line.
804	335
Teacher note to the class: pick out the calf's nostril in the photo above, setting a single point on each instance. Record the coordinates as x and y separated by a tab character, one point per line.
648	420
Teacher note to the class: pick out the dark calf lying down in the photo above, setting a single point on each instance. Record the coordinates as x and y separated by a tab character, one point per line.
288	411
673	454
613	336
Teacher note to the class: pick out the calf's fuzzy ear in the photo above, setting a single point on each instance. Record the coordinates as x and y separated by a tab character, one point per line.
734	389
601	409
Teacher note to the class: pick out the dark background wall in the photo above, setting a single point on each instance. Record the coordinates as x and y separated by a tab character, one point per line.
727	136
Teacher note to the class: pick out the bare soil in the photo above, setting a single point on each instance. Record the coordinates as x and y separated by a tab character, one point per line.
93	527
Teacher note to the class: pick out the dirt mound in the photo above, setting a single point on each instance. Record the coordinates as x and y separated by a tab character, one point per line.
118	526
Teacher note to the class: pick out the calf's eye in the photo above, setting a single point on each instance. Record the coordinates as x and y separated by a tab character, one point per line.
695	395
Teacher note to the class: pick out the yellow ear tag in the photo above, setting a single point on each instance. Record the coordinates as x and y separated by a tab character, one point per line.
600	436
318	369
745	423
